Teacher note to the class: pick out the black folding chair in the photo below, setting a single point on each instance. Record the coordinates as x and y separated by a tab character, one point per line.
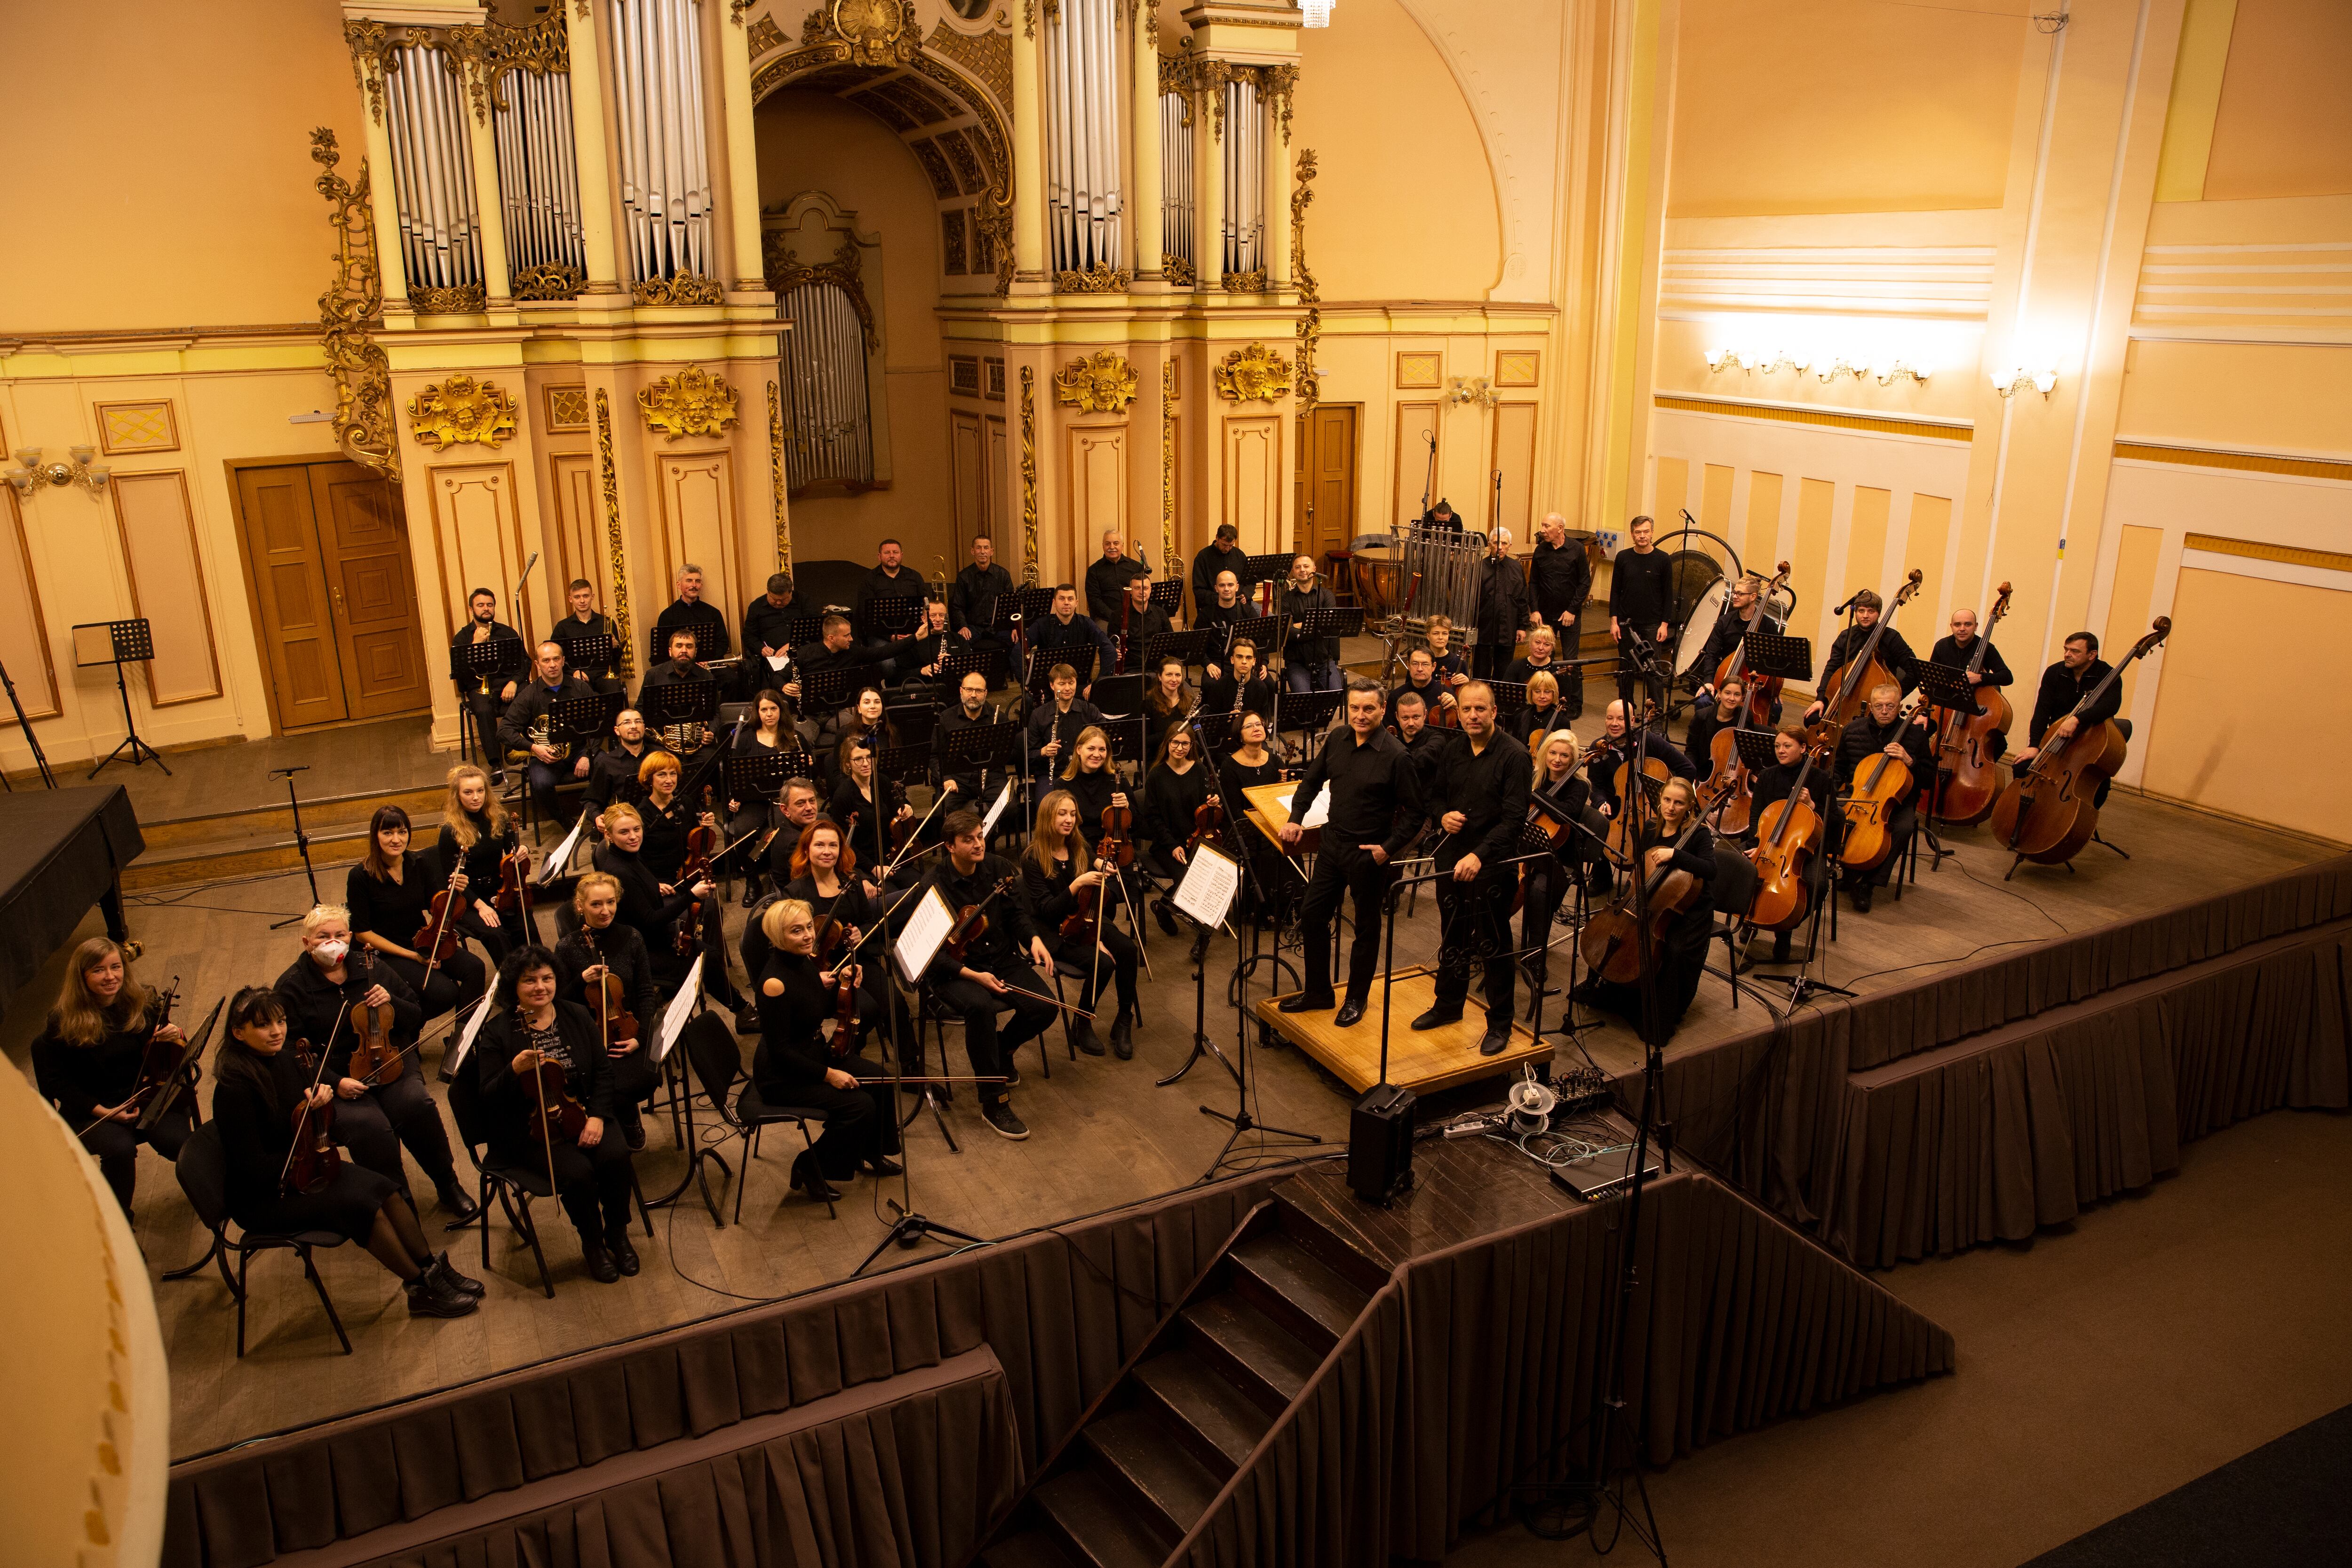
1733	890
516	1184
203	1169
717	1063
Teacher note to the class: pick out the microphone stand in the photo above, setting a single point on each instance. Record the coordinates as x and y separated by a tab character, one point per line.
25	727
302	840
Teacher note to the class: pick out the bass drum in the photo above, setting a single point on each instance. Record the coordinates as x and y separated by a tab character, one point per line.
1704	612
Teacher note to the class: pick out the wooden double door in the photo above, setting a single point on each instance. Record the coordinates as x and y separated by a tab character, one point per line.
1325	478
334	596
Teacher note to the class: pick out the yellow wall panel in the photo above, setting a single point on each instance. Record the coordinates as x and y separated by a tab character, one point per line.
1097	488
2284	124
2128	605
1924	546
1714	499
167	584
1865	543
1673	493
1760	546
480	536
1809	571
24	638
1254	475
698	516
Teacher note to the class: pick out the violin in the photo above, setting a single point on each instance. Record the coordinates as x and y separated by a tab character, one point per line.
1609	939
437	939
1788	832
610	1001
375	1060
513	898
161	1076
2049	815
1208	825
1869	810
837	944
1964	739
701	844
1763	690
971	922
553	1111
1116	848
1864	673
315	1159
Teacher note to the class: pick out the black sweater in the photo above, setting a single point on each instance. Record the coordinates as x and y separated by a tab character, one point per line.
1375	792
2062	690
1640	591
80	1079
1169	799
1010	924
1893	653
791	1053
643	907
703	618
587	1073
1866	737
254	1100
314	1004
1489	788
620	949
1562	579
479	863
393	910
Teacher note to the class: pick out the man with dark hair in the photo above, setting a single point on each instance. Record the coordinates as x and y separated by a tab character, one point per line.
1375	810
767	621
1223	553
1441	515
2065	685
1482	802
612	772
585	620
691	612
1052	725
835	650
971	601
995	970
1893	654
1641	604
558	758
1138	622
683	668
483	701
890	579
1879	728
1065	628
800	801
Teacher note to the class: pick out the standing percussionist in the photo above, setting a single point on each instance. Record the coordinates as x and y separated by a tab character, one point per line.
1641	602
1221	554
1560	578
1502	607
1483	797
1376	807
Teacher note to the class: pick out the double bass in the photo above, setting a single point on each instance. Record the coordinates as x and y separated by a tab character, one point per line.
1788	834
1763	690
1964	740
1864	673
2048	815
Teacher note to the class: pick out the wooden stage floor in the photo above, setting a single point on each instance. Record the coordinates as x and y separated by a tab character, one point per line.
1438	1058
1103	1135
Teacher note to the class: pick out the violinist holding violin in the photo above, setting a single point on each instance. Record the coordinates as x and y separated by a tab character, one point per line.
825	877
603	945
477	835
88	1062
324	993
392	899
1173	795
797	1064
260	1089
1067	890
994	970
541	1066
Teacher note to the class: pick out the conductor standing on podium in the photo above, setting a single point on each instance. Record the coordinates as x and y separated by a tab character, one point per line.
1375	810
1483	791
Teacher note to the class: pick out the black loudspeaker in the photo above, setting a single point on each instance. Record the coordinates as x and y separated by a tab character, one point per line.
1380	1144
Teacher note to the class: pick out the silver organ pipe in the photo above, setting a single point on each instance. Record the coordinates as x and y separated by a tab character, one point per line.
424	105
539	182
1245	154
1085	210
664	157
1176	211
824	373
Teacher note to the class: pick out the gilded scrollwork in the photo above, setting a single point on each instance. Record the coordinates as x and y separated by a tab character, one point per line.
776	485
691	403
683	289
1029	570
1179	270
1310	294
550	280
450	299
1253	374
1101	278
615	554
1168	464
487	52
1250	283
460	412
786	272
1274	84
1209	79
1101	382
353	302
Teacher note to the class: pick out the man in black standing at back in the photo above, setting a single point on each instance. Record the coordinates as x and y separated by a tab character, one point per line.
602	674
1483	804
691	612
971	600
1376	807
1641	602
1108	577
1223	553
1501	606
768	625
1560	579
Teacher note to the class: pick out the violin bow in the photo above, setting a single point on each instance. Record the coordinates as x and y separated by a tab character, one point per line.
318	1075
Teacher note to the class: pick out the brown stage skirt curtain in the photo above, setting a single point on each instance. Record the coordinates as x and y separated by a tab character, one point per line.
1991	1138
1474	1371
1060	1310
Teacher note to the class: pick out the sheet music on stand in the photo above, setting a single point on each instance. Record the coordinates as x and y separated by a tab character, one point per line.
457	1053
1211	883
555	865
674	1017
919	940
995	810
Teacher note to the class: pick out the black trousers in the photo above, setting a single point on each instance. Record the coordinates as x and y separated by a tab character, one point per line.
1117	962
636	1072
1630	676
860	1123
483	708
400	1114
347	1206
592	1185
544	778
496	940
115	1146
1475	921
1343	870
456	980
1489	660
1900	825
983	1043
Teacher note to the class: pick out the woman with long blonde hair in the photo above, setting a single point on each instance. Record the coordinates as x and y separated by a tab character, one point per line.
87	1063
476	834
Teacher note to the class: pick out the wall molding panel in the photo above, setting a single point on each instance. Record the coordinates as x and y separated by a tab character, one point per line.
158	530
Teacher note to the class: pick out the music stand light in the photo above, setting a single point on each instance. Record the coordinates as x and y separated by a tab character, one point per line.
120	643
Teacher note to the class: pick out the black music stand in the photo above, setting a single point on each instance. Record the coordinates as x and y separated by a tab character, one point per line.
1192	647
25	727
1118	694
1947	689
1260	632
121	642
1510	696
828	690
903	764
679	703
1215	730
802	630
1311	713
1019	607
1755	747
596	655
760	772
1168	596
961	660
1079	656
911	723
1779	655
587	718
490	663
1267	569
889	617
989	745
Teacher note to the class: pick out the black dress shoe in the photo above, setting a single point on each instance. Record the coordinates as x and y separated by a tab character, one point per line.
1082	1035
461	1208
624	1255
601	1266
810	1180
1165	914
447	1277
1350	1013
632	1133
1437	1017
1862	898
883	1165
1304	1002
1496	1041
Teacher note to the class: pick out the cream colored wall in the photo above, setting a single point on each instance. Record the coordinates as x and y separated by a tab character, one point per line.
2284	122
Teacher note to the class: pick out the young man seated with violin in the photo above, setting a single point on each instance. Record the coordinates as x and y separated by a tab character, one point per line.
603	946
996	965
344	1003
1880	731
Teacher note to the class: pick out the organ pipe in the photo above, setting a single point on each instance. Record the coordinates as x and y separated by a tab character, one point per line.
824	373
1244	153
537	175
1085	214
425	122
1176	210
657	89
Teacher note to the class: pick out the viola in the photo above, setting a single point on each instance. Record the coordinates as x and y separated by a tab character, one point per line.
1763	690
375	1060
1727	799
437	939
1964	739
971	922
1116	848
553	1110
1611	939
2048	816
1869	812
1079	923
315	1159
161	1076
1788	833
513	897
1208	825
701	844
1862	672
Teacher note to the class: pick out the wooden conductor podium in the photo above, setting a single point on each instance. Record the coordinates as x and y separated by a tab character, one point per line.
1434	1058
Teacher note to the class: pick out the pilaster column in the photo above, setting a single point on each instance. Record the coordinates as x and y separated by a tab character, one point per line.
482	150
1028	150
384	201
590	152
742	153
1277	198
1145	183
1209	174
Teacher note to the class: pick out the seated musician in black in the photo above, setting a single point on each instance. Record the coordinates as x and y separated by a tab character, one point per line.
1893	654
648	905
258	1086
1057	873
559	758
889	580
1730	630
612	774
376	1119
1613	748
765	729
602	671
391	900
1054	725
1777	784
1681	957
1238	686
1087	772
1065	628
1166	703
1179	784
1714	719
2065	685
825	877
87	1062
995	970
972	601
967	782
796	1065
1961	650
1879	729
1544	711
1225	607
529	1030
835	650
484	696
800	804
1541	657
1558	788
768	623
680	669
603	943
670	818
1138	622
918	661
1422	681
860	800
476	836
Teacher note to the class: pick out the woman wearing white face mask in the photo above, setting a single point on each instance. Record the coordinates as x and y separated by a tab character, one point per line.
372	1120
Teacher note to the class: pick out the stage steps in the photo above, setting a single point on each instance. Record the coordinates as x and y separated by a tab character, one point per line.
182	850
1194	1403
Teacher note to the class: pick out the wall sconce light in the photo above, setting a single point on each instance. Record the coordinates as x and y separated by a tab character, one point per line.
1898	369
2011	380
1724	359
1475	389
1780	359
31	473
1839	367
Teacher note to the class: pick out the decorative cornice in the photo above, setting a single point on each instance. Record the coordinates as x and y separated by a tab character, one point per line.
681	289
550	280
1099	279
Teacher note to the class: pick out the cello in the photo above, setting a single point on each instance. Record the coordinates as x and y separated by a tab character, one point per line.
1788	833
2049	813
1763	690
1964	740
1609	940
1864	673
1869	810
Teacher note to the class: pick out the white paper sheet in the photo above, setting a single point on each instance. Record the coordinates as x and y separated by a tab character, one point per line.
466	1040
919	940
1210	882
674	1018
1316	814
563	857
988	823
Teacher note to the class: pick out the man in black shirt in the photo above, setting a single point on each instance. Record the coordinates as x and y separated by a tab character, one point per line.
1308	663
768	625
1730	628
1962	651
691	612
1615	747
560	756
1421	681
1441	515
1054	725
1893	654
1641	602
1138	621
890	579
485	701
1223	553
1238	686
996	970
1483	804
1502	607
1559	575
1107	580
799	800
835	650
1376	807
2065	685
602	674
681	668
965	780
919	660
612	772
1065	628
972	601
1428	747
1881	728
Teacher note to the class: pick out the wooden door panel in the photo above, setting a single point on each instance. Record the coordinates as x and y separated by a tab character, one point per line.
297	636
374	600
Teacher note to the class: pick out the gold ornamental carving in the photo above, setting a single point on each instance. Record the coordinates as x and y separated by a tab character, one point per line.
486	53
455	299
460	412
785	272
692	403
372	44
1102	383
987	56
1274	86
1209	79
1178	269
1311	293
684	289
1029	570
1253	282
1253	374
776	485
1099	279
550	280
615	554
363	422
871	32
1168	466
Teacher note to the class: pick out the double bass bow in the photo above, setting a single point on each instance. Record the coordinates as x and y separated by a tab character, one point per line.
1964	740
2049	813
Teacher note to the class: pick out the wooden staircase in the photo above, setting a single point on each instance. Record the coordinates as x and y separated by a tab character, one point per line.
1191	1407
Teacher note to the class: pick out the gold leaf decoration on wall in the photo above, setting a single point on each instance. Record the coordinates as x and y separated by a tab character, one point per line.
364	424
692	403
1102	383
1253	374
459	412
684	289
